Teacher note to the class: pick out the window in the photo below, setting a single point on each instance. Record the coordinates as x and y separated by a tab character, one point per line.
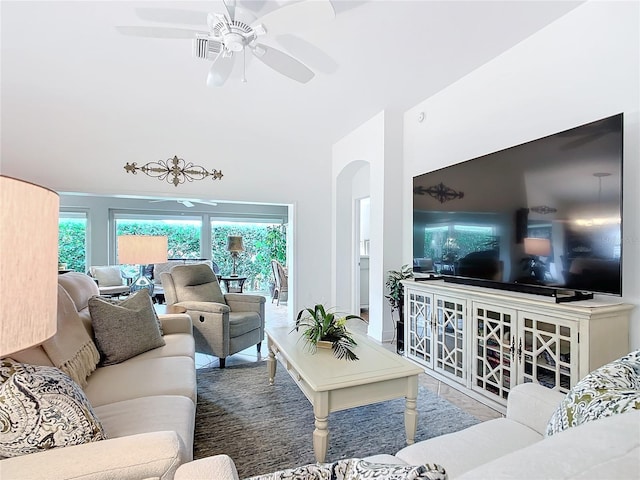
72	240
183	233
448	243
262	242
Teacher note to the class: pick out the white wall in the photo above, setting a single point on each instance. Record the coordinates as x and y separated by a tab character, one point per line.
378	142
292	175
583	67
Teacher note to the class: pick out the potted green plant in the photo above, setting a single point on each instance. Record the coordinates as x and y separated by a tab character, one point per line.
324	328
396	299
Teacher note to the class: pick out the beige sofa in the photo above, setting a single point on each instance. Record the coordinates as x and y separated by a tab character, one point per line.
146	405
513	447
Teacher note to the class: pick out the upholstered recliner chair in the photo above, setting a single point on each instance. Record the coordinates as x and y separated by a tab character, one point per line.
223	324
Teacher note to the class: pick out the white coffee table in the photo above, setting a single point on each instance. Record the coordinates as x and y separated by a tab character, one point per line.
331	384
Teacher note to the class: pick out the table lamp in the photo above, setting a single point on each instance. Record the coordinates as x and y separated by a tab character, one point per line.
142	250
235	246
29	264
536	248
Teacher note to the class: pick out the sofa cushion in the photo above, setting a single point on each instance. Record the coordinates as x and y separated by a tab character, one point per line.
150	414
604	449
124	328
142	378
176	345
464	450
42	408
609	390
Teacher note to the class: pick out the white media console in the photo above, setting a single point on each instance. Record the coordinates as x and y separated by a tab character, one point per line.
485	341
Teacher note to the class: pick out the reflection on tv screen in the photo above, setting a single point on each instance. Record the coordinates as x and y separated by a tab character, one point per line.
546	213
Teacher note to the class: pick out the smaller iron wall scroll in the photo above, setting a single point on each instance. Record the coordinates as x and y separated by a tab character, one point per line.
174	170
543	209
440	192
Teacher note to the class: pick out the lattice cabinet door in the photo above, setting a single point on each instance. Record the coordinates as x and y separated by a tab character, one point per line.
547	351
494	339
449	340
419	328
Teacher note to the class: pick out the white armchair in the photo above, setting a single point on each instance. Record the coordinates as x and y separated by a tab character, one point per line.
110	281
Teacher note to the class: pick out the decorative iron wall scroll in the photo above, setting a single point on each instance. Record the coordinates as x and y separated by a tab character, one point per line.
440	192
174	170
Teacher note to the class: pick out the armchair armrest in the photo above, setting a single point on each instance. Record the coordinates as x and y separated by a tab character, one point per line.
207	307
147	455
242	302
218	467
532	405
244	297
176	323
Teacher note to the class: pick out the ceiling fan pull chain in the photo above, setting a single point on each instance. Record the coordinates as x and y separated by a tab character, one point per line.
244	65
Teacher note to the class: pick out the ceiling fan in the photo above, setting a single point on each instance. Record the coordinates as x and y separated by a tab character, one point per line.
224	36
186	203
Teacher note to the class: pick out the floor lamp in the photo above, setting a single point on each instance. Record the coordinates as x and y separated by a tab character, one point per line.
142	250
29	264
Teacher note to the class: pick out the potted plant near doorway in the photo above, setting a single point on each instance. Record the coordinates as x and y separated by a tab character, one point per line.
396	300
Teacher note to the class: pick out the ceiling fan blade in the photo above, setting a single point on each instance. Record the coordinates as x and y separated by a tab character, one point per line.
254	5
159	32
186	203
297	17
172	15
316	58
220	70
230	5
283	63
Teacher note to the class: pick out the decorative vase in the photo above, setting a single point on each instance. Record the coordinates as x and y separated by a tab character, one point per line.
324	344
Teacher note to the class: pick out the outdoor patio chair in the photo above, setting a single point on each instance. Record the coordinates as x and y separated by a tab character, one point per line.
281	291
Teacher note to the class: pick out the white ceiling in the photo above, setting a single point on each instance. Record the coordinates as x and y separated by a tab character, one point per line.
69	77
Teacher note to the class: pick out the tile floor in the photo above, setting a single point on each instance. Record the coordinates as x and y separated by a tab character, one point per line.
277	315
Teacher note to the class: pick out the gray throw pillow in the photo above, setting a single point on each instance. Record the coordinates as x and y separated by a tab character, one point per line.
125	328
42	408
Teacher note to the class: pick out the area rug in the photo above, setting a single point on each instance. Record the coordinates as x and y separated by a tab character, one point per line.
266	428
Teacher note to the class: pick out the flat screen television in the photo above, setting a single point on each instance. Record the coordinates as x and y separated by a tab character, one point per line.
542	217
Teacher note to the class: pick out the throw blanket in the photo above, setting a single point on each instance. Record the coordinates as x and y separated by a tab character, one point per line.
357	469
71	349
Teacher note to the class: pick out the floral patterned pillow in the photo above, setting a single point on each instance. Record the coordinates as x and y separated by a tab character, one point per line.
611	389
42	408
357	469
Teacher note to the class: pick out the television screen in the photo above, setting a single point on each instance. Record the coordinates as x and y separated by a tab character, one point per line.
543	214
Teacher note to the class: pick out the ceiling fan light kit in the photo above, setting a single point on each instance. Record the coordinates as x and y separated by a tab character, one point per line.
174	170
228	36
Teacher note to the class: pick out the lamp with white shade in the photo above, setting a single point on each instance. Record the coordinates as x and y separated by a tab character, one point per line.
536	248
142	250
235	246
29	264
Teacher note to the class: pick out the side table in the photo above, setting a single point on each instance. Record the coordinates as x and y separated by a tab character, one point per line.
227	281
